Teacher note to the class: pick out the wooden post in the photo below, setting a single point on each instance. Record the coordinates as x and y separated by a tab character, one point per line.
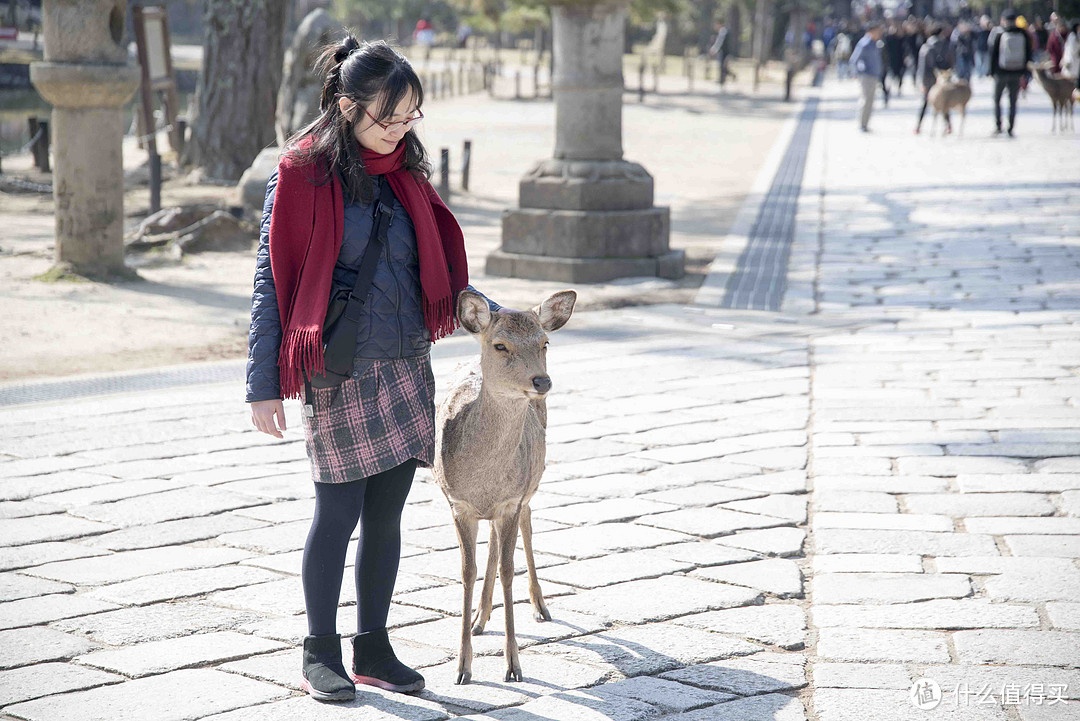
466	161
641	80
444	175
517	85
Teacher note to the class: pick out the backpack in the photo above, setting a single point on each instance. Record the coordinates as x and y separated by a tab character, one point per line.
1012	52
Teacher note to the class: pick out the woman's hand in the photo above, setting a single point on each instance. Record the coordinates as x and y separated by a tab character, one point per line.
262	416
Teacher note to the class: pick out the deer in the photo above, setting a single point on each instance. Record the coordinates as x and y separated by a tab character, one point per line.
947	94
1060	91
490	436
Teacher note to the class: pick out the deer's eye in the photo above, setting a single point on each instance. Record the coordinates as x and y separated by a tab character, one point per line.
500	347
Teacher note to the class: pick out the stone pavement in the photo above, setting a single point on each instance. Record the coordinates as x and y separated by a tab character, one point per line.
746	516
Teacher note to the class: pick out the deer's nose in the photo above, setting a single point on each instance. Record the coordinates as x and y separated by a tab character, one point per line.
542	384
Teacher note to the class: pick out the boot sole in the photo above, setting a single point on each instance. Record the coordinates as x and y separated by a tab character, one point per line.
343	695
372	681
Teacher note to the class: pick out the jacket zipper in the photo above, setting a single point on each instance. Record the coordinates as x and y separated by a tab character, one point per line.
397	290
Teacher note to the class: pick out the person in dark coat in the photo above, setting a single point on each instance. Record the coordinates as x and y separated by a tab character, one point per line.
1011	52
934	55
894	54
366	436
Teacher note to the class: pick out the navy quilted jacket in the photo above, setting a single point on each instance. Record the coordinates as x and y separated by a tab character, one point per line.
392	323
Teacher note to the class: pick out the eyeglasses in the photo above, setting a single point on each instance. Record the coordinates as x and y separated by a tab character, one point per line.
407	124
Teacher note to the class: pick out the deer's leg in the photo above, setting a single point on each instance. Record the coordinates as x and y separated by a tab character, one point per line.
466	533
483	611
536	597
963	118
507	529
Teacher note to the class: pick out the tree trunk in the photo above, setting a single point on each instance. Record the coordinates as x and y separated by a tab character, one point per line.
735	29
236	99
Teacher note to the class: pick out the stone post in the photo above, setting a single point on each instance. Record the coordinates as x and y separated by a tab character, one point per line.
587	215
87	79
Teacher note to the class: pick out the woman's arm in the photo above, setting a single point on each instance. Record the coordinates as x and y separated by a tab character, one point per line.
264	335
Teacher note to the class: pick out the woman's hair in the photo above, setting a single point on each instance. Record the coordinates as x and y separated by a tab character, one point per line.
360	72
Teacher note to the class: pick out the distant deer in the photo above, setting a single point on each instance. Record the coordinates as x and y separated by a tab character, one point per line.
947	94
490	454
1060	91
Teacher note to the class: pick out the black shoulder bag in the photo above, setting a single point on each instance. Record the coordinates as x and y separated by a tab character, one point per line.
345	304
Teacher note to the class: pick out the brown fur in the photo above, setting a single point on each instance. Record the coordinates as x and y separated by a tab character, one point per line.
1060	91
946	95
490	452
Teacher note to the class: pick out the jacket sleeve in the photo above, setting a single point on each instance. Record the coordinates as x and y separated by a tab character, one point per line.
264	335
492	305
994	39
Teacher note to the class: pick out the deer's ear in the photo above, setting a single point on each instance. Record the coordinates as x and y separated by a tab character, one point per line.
473	312
556	310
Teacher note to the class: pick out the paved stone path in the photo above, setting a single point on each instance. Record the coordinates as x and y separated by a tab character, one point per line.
746	515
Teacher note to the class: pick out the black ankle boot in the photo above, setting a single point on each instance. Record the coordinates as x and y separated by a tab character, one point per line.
324	674
374	663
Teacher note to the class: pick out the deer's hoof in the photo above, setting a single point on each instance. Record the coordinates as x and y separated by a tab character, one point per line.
463	678
477	629
513	675
541	614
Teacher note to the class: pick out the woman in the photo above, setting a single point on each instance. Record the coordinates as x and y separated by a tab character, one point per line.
365	437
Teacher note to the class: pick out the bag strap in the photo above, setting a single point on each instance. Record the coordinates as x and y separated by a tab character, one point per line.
340	347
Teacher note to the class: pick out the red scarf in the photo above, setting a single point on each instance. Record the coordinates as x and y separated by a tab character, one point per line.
306	226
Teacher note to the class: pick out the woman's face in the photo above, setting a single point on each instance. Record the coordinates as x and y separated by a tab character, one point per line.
370	134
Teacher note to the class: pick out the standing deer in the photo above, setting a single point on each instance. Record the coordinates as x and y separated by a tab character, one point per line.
1060	91
947	94
490	453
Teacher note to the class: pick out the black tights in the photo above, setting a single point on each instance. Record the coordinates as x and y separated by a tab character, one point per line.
377	502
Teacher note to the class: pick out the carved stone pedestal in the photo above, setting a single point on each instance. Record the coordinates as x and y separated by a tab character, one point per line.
587	215
85	76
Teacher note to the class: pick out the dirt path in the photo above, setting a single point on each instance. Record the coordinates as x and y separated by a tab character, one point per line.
703	152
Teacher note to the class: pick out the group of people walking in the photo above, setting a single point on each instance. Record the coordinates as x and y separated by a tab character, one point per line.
925	48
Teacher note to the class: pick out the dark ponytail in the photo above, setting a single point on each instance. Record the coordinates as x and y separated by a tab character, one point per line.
359	71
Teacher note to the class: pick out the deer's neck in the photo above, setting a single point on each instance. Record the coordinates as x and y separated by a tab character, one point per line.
500	420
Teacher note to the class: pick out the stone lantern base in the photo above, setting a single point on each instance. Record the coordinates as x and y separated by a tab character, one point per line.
586	221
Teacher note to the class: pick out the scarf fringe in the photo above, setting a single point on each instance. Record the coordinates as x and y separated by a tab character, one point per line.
439	318
301	350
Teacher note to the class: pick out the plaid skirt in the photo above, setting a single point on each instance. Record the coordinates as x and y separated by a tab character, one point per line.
374	422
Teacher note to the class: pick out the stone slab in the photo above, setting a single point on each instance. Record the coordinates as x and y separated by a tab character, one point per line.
180	584
129	564
649	649
782	625
710	522
36	644
44	679
613	568
14	586
776	576
925	543
829	674
853	704
176	696
130	626
748	675
832	588
942	614
875	645
1019	647
767	707
42	609
156	657
657	599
